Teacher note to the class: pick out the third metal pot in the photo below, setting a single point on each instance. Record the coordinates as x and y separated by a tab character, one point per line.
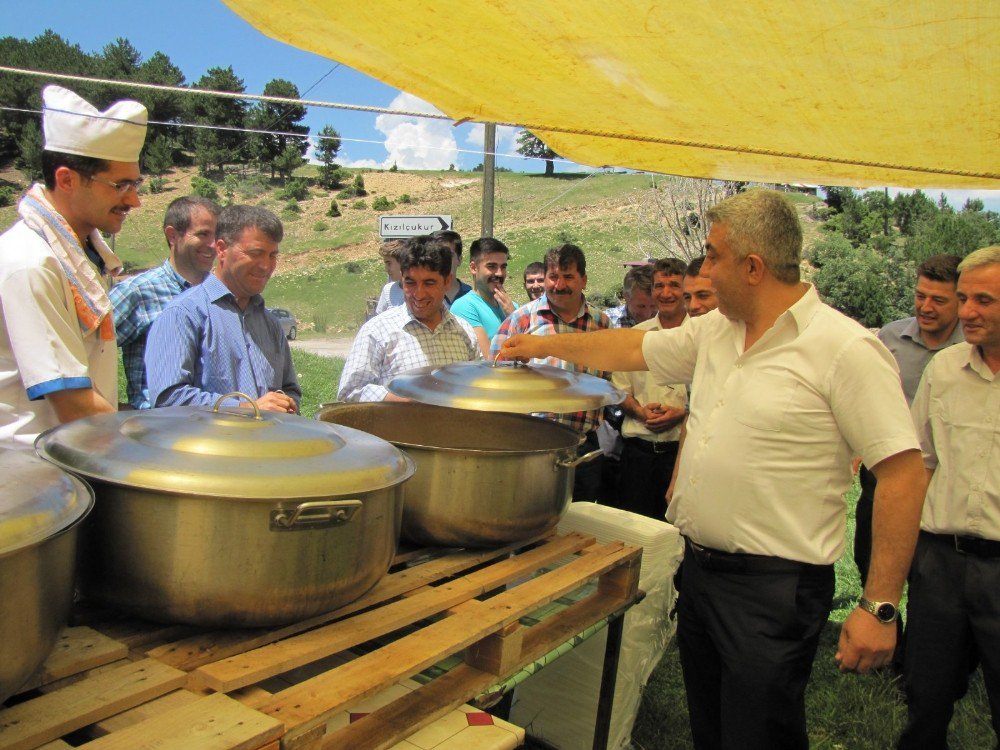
482	479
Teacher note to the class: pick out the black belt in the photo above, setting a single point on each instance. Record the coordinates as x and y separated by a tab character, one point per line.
648	446
739	562
968	545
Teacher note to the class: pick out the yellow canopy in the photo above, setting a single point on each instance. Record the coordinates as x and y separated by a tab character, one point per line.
890	92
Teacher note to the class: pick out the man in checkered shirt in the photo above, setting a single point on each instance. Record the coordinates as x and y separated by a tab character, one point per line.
563	309
420	333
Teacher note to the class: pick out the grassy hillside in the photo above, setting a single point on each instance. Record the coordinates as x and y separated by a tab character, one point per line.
330	266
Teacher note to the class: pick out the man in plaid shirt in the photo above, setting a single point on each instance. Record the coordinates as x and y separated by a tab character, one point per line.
422	332
563	309
189	227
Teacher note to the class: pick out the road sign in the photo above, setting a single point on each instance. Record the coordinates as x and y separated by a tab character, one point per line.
411	226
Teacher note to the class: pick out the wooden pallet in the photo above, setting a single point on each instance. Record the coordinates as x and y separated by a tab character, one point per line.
124	683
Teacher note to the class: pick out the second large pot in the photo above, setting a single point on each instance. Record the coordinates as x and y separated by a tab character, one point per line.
482	479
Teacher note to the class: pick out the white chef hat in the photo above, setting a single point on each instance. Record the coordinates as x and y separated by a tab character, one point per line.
74	126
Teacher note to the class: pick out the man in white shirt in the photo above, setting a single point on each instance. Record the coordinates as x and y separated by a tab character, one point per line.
785	391
954	596
58	357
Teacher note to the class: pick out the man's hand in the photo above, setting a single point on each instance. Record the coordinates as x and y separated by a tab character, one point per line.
522	347
503	299
277	401
663	419
865	643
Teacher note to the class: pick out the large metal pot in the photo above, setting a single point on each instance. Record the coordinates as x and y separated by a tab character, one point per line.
483	478
41	508
231	518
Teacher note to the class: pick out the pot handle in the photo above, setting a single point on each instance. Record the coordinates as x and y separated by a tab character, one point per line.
317	514
237	394
572	463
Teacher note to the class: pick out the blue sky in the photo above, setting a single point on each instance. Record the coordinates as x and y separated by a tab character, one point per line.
201	34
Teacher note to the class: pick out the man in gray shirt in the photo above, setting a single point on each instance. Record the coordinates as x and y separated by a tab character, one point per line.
912	341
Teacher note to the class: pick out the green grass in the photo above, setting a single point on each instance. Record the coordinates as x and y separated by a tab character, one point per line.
844	712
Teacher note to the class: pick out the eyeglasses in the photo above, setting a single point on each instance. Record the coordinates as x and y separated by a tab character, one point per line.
122	186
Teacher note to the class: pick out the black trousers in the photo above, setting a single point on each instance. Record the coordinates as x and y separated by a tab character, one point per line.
954	619
587	477
747	639
644	476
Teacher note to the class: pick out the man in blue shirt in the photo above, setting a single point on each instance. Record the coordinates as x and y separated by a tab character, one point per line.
217	337
488	305
189	227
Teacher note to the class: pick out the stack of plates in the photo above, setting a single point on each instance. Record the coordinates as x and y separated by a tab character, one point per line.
559	703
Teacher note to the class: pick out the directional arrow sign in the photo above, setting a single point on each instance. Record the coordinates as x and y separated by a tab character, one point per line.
411	226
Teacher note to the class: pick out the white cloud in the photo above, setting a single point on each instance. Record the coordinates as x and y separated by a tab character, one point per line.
415	142
506	139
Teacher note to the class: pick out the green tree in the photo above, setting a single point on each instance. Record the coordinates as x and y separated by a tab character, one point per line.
268	149
873	288
216	148
288	161
909	209
953	232
532	146
29	158
327	148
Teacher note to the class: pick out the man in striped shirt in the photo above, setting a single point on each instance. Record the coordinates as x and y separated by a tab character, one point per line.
420	333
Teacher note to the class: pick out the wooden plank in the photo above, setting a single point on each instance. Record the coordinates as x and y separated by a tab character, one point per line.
268	661
56	745
308	704
48	717
77	650
204	648
145	711
215	722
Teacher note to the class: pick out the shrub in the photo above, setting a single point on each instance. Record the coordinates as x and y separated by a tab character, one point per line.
296	189
404	198
382	204
320	226
352	266
7	196
292	207
359	204
157	185
334	209
204	187
346	193
359	185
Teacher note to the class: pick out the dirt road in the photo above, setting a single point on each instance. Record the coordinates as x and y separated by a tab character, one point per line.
326	347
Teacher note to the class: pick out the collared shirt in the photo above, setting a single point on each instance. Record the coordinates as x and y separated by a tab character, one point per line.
903	339
773	429
957	414
620	317
642	386
463	289
203	346
479	313
538	318
395	342
138	302
42	349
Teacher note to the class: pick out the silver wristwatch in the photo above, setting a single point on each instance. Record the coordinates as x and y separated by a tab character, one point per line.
886	612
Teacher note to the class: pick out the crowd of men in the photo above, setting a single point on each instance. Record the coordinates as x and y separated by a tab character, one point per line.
747	402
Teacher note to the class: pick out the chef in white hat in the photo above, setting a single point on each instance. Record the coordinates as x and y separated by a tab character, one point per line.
58	357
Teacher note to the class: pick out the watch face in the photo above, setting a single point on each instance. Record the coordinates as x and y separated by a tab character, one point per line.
886	612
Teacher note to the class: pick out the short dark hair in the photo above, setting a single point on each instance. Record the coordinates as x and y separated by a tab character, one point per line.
450	237
534	267
694	267
485	246
940	268
562	256
234	219
669	267
640	277
87	166
178	214
426	251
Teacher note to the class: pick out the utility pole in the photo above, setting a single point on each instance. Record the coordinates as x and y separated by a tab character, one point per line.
489	165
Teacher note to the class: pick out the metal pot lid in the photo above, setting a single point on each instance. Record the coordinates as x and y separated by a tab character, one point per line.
506	386
232	453
37	500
